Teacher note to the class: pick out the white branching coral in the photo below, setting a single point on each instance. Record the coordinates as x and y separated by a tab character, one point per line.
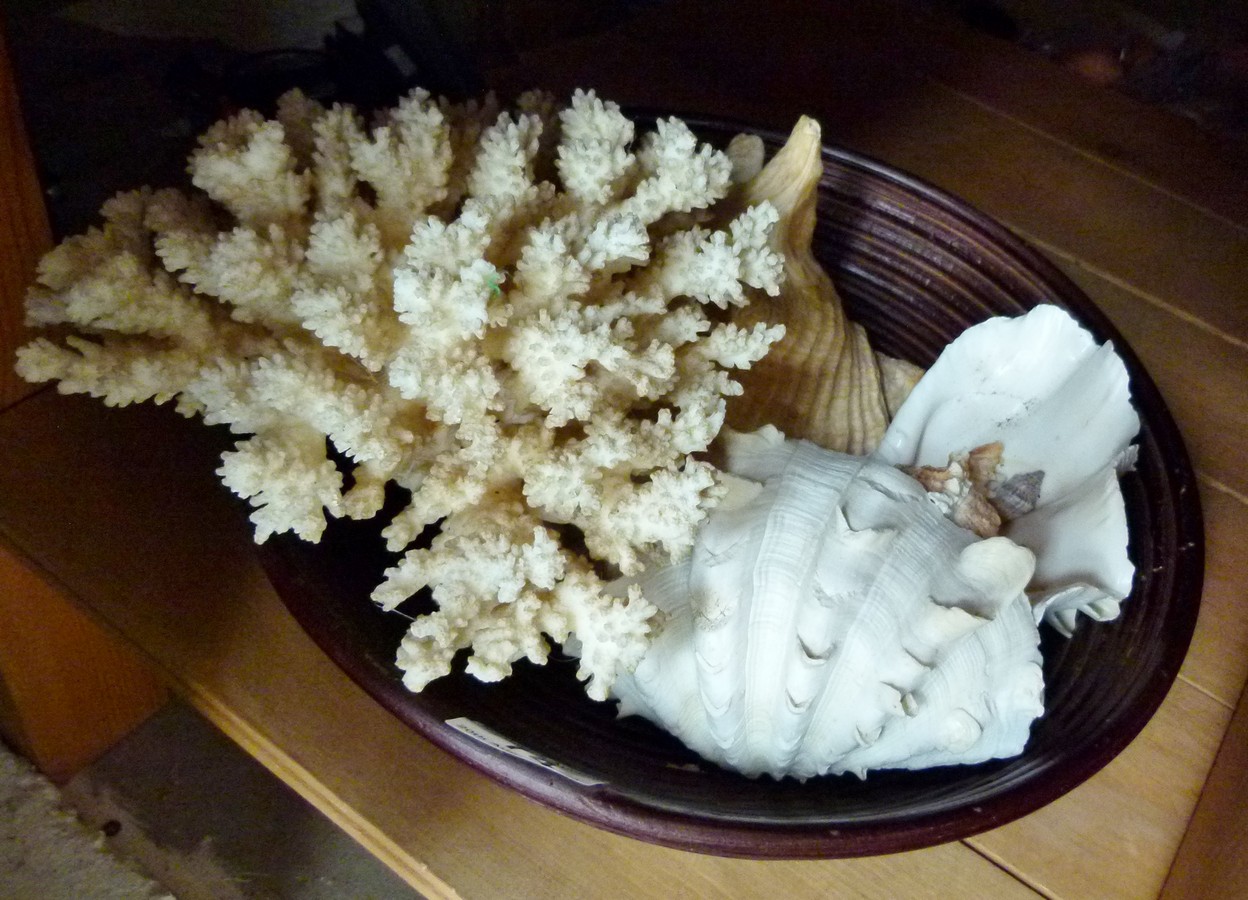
515	316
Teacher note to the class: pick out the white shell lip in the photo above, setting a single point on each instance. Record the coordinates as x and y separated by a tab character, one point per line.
1060	403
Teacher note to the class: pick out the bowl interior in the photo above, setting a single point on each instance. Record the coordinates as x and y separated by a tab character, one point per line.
915	267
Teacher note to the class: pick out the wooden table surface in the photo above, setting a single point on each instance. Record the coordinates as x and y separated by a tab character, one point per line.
120	509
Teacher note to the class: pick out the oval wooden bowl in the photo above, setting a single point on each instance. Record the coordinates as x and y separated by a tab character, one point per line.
916	267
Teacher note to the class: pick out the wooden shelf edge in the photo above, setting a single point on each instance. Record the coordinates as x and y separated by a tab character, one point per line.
94	647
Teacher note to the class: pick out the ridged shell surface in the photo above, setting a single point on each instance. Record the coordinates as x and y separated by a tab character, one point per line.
831	619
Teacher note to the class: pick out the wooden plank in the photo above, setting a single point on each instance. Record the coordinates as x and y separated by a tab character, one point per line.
1210	405
1176	255
146	536
1115	835
1209	401
867	59
1212	862
24	230
70	690
1041	95
1217	662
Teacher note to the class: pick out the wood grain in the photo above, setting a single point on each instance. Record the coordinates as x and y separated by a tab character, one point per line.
1218	660
1108	126
1112	222
69	689
1212	862
849	58
1115	835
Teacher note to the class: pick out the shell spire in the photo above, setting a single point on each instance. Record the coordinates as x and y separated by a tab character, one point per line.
821	382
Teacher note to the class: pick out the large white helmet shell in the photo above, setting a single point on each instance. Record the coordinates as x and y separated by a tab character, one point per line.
837	621
832	619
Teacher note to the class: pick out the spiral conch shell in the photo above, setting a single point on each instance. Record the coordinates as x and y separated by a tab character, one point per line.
822	381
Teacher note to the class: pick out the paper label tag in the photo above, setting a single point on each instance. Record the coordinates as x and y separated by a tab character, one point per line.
491	738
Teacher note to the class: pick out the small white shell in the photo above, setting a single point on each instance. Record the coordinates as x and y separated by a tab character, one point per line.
1061	406
836	621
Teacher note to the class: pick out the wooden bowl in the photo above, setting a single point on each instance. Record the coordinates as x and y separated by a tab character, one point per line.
916	267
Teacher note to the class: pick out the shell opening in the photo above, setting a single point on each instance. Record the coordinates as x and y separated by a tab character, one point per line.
815	655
